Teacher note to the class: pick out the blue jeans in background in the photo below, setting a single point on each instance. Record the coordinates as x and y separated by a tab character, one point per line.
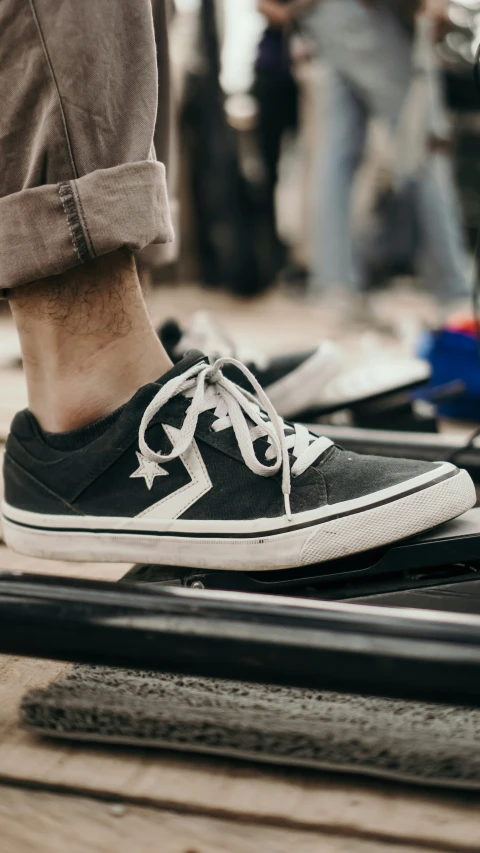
369	57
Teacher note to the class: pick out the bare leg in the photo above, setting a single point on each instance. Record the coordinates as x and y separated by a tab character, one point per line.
87	341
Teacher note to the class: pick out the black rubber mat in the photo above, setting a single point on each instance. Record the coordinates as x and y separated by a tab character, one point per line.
421	743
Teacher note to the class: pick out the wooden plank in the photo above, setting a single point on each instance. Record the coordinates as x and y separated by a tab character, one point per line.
225	789
39	821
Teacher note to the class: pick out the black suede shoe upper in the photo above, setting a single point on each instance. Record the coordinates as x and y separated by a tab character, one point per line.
104	476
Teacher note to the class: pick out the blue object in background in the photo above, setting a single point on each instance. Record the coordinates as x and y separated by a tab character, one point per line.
454	355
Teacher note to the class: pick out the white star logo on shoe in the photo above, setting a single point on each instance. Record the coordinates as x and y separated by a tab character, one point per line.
148	470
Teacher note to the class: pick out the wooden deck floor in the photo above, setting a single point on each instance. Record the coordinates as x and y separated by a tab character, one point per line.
60	796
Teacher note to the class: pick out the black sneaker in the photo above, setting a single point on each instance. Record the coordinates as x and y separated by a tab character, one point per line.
191	472
300	384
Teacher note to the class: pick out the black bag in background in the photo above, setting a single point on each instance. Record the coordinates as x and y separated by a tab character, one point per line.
226	214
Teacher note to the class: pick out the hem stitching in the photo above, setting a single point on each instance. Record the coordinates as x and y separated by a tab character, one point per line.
83	219
75	226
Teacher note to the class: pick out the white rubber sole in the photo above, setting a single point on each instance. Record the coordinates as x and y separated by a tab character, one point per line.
328	537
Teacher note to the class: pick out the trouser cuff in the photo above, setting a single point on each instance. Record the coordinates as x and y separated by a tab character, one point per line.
49	229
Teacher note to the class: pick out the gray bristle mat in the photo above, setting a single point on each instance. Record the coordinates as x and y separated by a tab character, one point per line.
422	743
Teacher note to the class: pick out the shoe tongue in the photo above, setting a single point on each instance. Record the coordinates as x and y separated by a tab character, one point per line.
191	358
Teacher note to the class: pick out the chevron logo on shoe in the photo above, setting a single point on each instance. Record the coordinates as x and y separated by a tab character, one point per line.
175	504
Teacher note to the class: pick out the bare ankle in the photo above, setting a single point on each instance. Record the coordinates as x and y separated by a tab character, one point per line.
87	341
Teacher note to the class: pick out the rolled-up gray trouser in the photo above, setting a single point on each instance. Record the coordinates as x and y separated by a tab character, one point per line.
78	114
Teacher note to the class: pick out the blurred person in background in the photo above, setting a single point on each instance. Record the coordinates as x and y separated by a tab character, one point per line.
276	92
368	48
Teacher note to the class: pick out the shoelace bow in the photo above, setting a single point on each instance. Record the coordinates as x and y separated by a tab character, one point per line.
233	407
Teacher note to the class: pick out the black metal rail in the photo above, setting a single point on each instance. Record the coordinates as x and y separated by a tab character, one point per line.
323	645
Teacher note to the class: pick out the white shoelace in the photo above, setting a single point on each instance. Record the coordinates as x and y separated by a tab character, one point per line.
209	389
